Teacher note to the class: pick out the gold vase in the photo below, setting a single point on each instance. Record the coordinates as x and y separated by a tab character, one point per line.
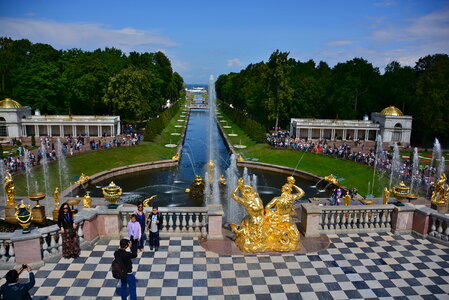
38	211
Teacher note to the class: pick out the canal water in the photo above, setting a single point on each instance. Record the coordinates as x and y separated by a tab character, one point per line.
169	184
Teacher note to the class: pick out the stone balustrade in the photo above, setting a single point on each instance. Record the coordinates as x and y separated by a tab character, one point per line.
44	244
185	221
316	220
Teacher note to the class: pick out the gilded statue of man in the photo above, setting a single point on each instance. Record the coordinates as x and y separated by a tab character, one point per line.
282	232
249	235
10	190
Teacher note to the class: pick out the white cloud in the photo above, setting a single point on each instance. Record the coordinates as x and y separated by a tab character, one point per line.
86	36
234	62
340	43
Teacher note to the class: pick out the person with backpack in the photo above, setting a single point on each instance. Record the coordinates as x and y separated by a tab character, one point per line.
123	261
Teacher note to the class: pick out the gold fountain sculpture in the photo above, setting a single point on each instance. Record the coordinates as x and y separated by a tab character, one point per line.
10	191
264	229
56	209
440	194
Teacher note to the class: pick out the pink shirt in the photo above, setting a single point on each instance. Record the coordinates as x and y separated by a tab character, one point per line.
134	230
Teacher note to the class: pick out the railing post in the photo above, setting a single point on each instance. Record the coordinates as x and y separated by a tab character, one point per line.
402	219
310	220
215	221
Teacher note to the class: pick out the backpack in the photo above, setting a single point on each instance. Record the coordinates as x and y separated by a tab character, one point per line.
118	269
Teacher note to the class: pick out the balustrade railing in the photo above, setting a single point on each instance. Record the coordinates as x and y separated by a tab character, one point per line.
51	241
185	221
439	227
346	219
7	255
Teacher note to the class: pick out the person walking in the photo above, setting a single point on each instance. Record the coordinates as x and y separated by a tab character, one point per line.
141	219
130	280
134	232
70	242
154	225
12	290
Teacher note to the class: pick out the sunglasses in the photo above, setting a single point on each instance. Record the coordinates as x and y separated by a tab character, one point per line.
66	208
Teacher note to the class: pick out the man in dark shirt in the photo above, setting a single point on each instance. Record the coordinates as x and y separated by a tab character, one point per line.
130	280
14	290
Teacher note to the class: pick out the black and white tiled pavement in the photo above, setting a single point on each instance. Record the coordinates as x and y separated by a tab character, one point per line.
355	266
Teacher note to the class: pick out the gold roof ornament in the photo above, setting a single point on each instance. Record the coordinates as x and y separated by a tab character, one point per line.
9	103
392	111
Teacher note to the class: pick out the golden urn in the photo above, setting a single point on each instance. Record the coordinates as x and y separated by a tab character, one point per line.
72	202
111	194
23	216
401	191
87	201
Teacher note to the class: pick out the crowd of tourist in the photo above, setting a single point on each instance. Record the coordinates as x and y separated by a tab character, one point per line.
381	159
70	145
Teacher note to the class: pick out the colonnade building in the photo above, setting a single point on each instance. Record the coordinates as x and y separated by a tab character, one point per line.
391	124
18	121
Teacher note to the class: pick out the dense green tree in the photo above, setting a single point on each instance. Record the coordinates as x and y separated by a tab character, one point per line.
129	92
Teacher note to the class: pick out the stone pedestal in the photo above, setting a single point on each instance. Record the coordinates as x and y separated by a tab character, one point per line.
442	208
27	247
215	221
10	214
402	219
310	220
38	214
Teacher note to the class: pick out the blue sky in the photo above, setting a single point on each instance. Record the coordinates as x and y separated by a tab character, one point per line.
217	37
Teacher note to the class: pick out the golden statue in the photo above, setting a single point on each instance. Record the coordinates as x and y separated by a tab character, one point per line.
83	178
10	190
347	200
176	157
250	236
146	202
386	195
282	234
440	194
264	229
87	201
56	197
240	158
331	178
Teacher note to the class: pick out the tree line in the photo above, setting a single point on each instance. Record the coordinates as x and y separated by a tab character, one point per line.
273	92
100	82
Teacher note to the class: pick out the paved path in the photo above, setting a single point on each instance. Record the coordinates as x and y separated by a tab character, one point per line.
355	266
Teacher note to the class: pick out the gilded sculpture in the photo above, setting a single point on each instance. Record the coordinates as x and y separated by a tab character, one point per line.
56	196
87	201
264	229
10	190
250	236
83	178
146	202
386	195
440	194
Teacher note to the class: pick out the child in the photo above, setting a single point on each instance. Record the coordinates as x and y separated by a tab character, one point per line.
154	225
134	232
141	219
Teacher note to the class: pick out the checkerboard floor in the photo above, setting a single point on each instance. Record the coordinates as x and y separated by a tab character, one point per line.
355	266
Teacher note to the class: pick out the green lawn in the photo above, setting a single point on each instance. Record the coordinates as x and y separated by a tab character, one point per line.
354	174
93	162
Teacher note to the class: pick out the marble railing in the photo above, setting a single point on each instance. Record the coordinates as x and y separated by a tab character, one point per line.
186	221
44	244
316	220
366	218
7	255
430	224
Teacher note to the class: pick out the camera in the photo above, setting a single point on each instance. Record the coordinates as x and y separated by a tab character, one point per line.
24	266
